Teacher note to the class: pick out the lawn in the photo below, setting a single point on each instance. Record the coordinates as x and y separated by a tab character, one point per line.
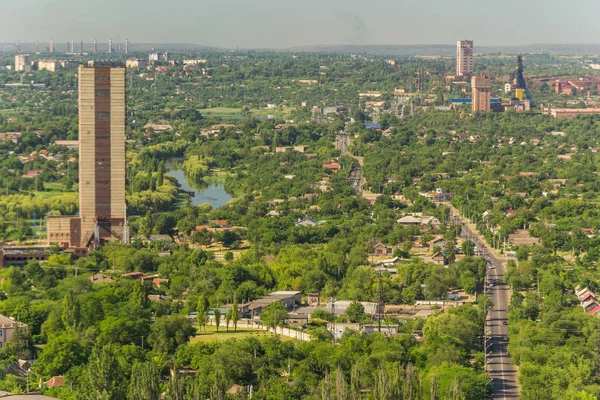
212	335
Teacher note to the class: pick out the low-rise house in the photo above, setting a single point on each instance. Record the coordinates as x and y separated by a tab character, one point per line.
306	222
439	242
408	220
158	127
381	249
12	136
522	238
55	381
333	166
290	300
8	326
133	275
387	330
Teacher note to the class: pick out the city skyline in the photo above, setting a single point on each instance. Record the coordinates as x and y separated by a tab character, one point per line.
267	24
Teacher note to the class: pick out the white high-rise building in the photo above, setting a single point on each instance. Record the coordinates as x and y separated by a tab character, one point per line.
464	57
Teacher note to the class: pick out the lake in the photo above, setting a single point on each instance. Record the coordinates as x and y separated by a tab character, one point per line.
213	193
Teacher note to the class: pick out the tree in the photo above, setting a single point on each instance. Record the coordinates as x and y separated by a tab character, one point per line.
468	247
144	383
61	354
202	312
355	312
228	318
235	314
169	332
217	314
70	311
273	314
103	376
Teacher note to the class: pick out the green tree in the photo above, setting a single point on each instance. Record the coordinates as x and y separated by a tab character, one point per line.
355	312
103	376
235	314
273	314
169	332
144	383
217	314
202	312
70	311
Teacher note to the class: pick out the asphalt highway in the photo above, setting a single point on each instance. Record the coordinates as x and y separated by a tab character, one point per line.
504	375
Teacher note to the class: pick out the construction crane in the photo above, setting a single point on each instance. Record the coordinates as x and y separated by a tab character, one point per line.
521	86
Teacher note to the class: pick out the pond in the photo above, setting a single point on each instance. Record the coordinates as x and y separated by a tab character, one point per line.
213	193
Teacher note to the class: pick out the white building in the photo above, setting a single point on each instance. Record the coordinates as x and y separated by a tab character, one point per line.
23	62
464	57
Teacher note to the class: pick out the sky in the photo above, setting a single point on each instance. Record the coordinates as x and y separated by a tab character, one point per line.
290	23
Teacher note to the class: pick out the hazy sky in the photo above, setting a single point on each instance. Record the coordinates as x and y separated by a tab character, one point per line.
286	23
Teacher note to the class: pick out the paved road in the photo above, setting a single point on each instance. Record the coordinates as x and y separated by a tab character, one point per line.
499	365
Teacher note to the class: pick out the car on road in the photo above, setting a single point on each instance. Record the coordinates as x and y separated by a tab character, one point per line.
504	323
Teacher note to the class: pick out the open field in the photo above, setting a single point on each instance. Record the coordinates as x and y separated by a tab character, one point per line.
211	334
236	113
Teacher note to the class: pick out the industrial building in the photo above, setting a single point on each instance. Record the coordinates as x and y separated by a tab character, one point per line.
481	93
101	163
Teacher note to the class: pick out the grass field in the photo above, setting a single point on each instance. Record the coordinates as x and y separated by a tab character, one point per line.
211	334
236	113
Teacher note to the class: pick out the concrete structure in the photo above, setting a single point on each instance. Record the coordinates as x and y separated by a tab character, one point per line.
48	65
571	112
102	153
135	63
23	62
110	48
95	45
464	57
126	46
52	46
101	162
481	93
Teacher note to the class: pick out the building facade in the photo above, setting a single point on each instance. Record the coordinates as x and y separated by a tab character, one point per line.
23	62
101	163
464	57
102	153
481	93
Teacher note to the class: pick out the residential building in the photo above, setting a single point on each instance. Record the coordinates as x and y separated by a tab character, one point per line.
48	65
136	63
481	93
23	62
464	57
8	326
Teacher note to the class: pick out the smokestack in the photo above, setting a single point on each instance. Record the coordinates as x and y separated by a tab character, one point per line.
52	46
72	45
95	45
109	46
126	46
37	49
81	47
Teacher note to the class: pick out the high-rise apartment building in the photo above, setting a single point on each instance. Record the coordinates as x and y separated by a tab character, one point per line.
23	62
110	48
52	46
464	57
126	46
481	93
102	214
